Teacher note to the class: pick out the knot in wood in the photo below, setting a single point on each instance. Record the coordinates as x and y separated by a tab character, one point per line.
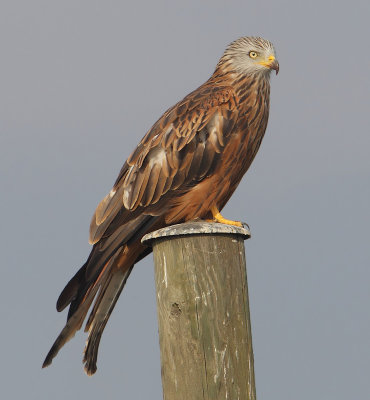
175	310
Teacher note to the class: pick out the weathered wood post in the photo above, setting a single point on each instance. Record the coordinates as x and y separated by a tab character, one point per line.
203	312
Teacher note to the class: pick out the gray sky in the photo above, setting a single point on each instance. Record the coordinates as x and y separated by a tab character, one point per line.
80	84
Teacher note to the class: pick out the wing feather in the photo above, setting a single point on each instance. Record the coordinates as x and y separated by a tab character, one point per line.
137	187
159	189
207	158
151	185
193	170
112	201
180	149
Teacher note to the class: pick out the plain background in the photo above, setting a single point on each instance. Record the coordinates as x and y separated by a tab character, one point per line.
80	84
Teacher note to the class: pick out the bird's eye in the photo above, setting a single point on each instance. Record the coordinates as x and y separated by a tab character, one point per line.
253	54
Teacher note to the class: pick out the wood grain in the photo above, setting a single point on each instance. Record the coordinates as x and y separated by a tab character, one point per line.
203	314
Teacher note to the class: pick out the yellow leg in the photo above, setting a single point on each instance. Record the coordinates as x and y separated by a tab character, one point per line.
219	218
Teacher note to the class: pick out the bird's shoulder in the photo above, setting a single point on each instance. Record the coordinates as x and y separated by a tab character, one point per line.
178	125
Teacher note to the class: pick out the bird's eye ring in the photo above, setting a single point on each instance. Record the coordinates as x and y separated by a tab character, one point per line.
252	54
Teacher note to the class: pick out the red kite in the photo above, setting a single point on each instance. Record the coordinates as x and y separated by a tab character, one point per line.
186	167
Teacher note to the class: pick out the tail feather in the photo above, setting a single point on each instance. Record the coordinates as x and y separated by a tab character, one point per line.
73	324
103	307
102	277
106	290
71	290
75	319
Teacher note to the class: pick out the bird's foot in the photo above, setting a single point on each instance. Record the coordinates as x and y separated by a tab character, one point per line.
217	217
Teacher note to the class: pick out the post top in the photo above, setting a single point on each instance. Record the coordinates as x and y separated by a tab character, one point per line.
196	228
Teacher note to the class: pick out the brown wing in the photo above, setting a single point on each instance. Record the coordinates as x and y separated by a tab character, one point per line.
180	150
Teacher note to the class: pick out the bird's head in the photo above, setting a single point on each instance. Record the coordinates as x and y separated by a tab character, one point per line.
250	55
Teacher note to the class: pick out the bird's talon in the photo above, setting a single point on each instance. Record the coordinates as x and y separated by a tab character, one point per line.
217	217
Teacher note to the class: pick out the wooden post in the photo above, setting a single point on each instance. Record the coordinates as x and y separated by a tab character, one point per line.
203	312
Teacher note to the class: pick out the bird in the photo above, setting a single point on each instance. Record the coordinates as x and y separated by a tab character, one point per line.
185	168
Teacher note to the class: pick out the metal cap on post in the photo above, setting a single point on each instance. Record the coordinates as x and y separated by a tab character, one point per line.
203	311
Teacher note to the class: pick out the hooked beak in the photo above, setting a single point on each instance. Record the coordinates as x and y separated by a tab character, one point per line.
271	63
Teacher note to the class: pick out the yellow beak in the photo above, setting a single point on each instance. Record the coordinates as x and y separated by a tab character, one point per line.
271	63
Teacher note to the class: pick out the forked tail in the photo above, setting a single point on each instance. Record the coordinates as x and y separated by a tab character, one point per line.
107	288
